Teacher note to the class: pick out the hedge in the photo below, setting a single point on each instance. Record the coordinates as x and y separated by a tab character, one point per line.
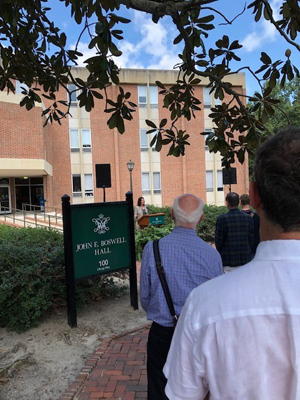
32	277
206	230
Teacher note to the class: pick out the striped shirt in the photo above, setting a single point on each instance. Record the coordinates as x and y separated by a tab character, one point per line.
234	237
188	261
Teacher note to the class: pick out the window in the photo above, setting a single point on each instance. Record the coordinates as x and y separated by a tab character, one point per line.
20	86
156	182
142	95
76	185
36	180
74	140
144	139
86	139
73	95
4	181
146	188
209	181
220	181
206	97
153	92
88	185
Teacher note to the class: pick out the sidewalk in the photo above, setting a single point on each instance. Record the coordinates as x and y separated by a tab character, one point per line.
117	370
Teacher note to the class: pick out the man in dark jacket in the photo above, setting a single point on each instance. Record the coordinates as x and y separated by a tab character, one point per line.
234	235
245	203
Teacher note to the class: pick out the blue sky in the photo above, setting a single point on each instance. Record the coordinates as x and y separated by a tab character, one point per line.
149	45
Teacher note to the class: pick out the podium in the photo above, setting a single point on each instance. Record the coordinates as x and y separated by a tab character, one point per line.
151	219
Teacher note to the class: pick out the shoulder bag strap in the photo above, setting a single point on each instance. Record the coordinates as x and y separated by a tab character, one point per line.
162	277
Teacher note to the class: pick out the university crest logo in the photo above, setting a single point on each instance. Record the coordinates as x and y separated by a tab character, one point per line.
100	223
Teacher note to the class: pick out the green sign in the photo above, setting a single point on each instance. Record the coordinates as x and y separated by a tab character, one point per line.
157	220
100	236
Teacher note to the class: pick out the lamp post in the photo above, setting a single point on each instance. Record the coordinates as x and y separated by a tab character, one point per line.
130	166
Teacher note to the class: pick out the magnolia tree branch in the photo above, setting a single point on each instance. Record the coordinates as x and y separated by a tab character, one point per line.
228	22
281	31
251	72
163	8
205	74
27	59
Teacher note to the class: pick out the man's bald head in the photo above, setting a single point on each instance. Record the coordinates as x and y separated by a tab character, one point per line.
187	210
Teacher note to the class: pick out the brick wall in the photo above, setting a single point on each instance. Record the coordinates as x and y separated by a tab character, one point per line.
21	132
58	146
109	147
184	174
242	170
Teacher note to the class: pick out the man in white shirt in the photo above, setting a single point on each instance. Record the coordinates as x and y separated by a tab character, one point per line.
238	336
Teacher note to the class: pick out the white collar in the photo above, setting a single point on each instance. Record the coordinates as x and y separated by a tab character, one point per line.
278	250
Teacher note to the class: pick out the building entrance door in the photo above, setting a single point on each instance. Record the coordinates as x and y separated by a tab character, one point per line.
29	192
22	198
5	205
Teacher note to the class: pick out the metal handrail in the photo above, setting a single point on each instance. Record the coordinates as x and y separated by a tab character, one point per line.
31	218
46	208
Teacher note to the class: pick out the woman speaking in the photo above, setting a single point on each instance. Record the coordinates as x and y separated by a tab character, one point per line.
140	209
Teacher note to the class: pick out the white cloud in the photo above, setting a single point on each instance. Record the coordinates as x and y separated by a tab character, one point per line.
167	61
263	31
155	42
128	59
149	47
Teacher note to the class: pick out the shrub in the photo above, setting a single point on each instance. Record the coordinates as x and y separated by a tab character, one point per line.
143	236
206	230
31	274
32	277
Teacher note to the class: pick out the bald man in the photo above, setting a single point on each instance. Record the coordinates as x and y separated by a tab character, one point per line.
188	262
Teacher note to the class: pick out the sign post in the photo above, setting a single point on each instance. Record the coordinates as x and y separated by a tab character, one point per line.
132	271
69	262
99	239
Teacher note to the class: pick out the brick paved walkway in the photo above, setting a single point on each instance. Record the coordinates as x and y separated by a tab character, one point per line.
117	370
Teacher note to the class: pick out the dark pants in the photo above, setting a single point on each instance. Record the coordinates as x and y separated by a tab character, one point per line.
158	346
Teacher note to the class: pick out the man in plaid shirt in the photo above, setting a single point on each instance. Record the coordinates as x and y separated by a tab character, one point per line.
234	234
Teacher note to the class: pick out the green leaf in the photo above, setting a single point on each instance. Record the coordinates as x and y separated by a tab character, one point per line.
159	84
176	152
80	81
112	122
114	50
151	124
225	41
151	131
178	39
117	18
158	143
153	141
97	94
241	156
163	122
235	45
265	58
120	125
206	19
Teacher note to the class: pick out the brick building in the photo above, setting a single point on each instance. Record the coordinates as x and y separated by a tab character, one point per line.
50	161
